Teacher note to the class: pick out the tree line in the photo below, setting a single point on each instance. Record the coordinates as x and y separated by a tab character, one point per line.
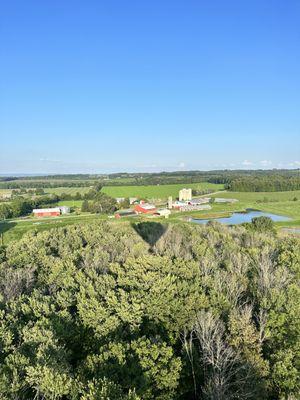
150	311
274	183
239	180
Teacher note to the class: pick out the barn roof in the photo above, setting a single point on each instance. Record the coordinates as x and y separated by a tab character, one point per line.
46	210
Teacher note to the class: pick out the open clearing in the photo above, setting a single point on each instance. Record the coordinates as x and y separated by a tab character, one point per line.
159	192
15	229
68	190
71	203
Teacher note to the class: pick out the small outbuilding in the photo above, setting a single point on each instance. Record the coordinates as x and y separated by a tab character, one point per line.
163	212
64	209
125	213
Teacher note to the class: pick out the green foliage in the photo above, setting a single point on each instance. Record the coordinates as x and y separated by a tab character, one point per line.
263	224
121	312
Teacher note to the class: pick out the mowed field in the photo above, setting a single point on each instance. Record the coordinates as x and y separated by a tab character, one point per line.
70	203
160	192
68	190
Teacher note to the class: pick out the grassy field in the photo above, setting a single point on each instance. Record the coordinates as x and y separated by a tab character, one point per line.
159	192
255	196
71	203
68	190
14	230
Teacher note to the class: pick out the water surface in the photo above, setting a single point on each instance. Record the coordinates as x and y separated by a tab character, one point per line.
242	217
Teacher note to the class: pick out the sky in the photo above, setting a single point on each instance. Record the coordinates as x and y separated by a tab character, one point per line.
106	86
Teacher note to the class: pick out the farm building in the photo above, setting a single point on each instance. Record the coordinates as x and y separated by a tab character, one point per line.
163	212
125	213
177	204
185	194
199	200
223	200
133	200
145	208
64	209
46	212
191	207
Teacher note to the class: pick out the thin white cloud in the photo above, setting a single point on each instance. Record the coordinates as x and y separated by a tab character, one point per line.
50	160
265	163
247	163
294	164
181	164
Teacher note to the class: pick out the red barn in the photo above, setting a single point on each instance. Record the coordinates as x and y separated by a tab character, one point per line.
145	208
46	212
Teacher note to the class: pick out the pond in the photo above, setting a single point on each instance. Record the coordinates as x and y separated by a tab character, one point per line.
242	217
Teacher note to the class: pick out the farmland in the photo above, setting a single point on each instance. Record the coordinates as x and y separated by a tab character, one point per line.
67	190
150	191
156	191
282	203
261	196
70	203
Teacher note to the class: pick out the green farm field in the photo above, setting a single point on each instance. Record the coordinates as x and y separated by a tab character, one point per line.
261	196
68	190
70	203
159	192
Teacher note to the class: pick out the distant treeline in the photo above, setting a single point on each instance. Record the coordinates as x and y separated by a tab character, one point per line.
264	184
238	180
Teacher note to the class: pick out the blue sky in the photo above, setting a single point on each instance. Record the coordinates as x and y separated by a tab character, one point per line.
101	86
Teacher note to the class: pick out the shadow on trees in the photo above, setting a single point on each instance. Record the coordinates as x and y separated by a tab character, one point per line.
4	227
151	232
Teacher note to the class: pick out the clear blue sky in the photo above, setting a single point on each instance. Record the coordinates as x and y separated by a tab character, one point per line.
98	86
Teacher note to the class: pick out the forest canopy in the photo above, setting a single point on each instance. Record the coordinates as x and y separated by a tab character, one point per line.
150	311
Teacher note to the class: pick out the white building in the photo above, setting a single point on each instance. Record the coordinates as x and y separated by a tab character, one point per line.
224	200
64	209
163	212
190	207
132	200
199	200
185	194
